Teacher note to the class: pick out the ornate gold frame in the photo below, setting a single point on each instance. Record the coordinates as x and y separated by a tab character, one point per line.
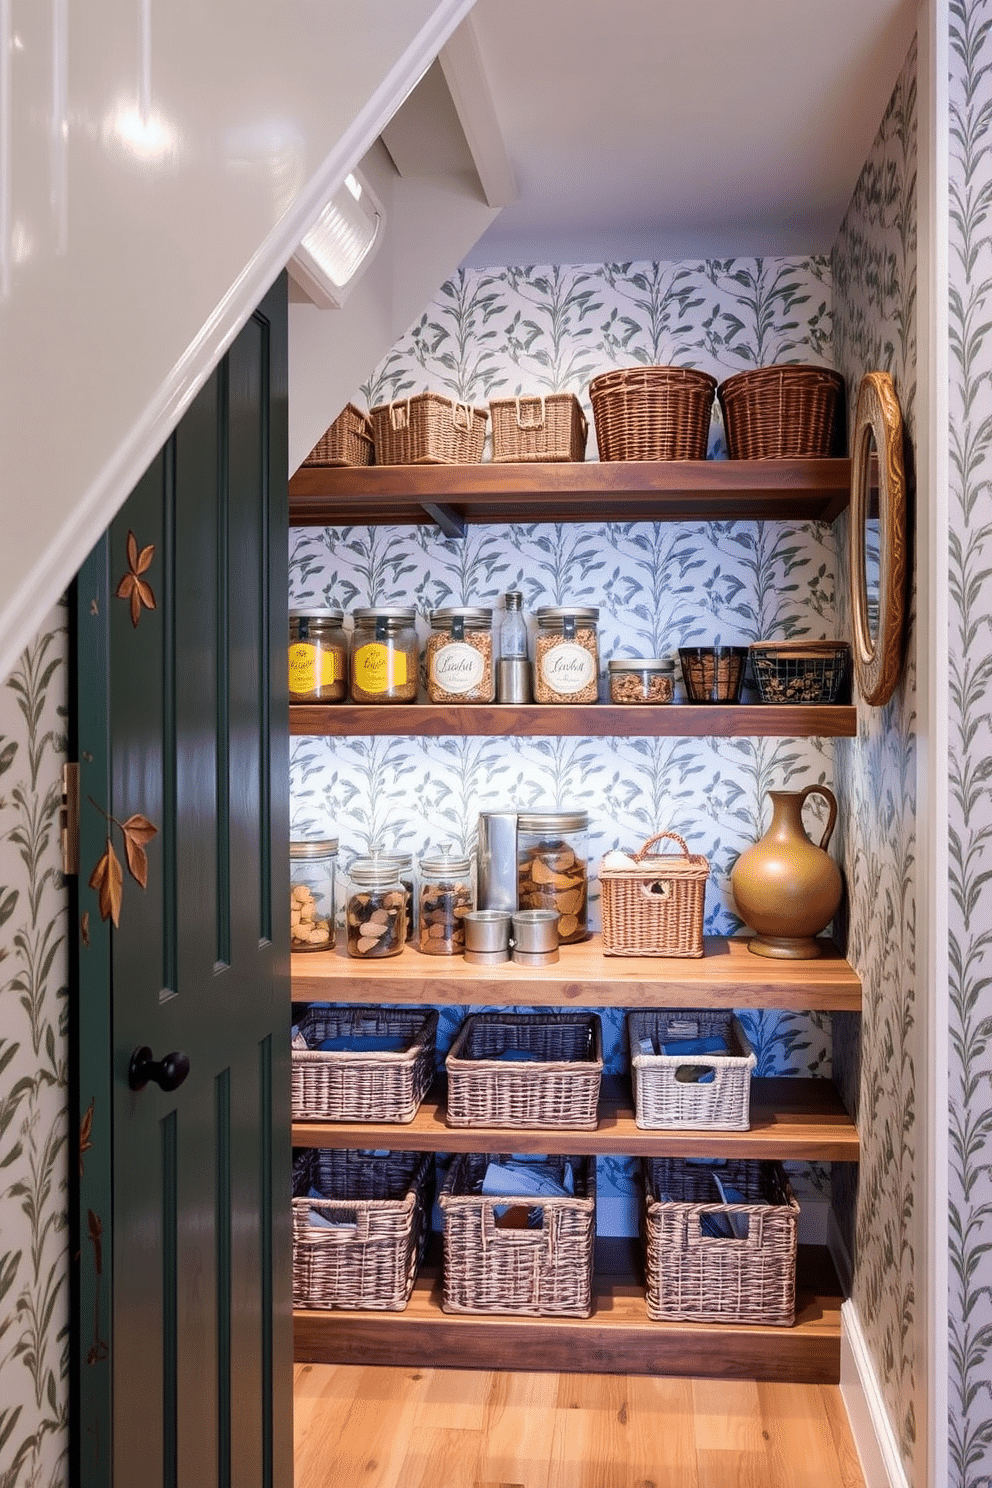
878	655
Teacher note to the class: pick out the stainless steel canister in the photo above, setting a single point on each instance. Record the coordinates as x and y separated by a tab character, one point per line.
497	860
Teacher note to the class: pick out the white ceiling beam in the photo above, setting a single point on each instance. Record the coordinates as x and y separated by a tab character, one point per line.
465	74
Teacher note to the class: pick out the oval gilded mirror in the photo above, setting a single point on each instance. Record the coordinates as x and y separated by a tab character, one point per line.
877	539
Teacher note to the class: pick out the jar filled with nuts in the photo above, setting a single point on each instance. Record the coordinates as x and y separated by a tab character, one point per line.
385	656
460	656
376	913
318	656
447	894
641	679
311	894
403	863
551	868
566	655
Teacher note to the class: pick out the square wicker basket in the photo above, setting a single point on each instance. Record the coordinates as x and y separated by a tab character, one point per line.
557	1087
346	1085
548	426
361	1244
664	1098
428	429
347	442
693	1276
656	907
541	1271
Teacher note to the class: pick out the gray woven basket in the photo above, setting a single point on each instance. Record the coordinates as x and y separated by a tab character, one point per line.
560	1088
662	1099
338	1085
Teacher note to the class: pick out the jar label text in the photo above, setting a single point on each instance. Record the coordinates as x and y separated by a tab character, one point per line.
379	668
458	668
568	668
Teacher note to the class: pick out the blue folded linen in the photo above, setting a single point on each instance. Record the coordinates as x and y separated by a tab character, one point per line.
678	1047
362	1043
524	1056
323	1221
523	1179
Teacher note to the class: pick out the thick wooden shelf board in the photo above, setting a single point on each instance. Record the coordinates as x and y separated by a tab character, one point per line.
629	491
619	1338
726	976
791	1119
596	720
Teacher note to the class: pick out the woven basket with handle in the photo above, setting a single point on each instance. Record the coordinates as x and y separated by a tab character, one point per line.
667	1089
546	427
428	429
652	413
655	908
784	412
352	1085
558	1087
347	442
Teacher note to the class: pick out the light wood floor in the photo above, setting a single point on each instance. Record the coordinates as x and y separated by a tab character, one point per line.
450	1428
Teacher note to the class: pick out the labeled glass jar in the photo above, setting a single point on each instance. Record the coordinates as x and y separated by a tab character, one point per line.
311	894
552	871
385	655
403	863
318	656
460	656
645	679
566	655
376	912
447	894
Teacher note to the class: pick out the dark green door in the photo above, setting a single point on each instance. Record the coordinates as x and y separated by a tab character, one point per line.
183	1295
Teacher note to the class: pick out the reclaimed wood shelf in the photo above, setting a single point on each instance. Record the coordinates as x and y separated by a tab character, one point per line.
592	720
587	491
619	1337
725	976
791	1120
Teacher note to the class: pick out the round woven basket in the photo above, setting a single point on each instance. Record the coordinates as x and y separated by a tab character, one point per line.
779	413
652	413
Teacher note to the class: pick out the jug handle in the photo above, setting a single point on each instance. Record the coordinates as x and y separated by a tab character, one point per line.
831	800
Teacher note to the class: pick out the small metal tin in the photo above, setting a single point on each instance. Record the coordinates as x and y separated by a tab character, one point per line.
487	937
535	958
535	932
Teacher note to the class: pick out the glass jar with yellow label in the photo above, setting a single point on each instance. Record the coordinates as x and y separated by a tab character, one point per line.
385	656
318	656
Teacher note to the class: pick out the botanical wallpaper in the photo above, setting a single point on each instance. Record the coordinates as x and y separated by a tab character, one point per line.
34	1278
874	269
969	560
657	586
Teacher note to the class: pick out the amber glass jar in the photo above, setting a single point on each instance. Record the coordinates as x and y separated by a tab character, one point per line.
318	656
385	656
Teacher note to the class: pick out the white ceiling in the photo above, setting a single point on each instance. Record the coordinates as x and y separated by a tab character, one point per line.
674	129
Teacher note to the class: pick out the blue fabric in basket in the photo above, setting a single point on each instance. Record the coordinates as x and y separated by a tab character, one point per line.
695	1046
360	1043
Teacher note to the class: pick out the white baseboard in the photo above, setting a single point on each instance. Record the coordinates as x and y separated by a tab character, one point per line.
870	1425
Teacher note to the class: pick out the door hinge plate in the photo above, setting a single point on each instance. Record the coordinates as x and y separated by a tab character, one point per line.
69	819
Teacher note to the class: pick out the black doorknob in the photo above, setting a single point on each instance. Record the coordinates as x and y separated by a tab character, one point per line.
168	1073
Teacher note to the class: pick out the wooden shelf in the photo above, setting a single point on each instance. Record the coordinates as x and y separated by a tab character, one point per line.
591	491
619	1338
599	720
726	976
791	1120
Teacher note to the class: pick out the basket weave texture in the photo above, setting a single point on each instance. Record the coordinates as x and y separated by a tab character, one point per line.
694	1277
428	429
652	413
560	1088
785	412
338	1085
347	442
544	1271
546	427
655	908
662	1100
380	1211
800	671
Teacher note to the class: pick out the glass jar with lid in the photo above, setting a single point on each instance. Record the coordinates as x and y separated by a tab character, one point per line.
318	656
460	656
552	871
376	912
403	863
385	655
447	894
311	894
641	679
566	654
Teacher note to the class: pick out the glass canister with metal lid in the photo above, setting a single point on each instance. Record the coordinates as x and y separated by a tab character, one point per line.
460	656
403	863
641	680
447	894
311	894
566	654
318	656
552	871
385	655
376	911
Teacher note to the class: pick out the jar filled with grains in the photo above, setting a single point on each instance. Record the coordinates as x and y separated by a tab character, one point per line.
641	679
376	912
311	894
551	868
566	655
447	894
460	656
385	655
318	656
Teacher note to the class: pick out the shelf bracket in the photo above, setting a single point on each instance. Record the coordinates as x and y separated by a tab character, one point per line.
449	521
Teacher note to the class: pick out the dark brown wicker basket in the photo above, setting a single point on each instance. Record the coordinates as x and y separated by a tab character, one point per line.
538	428
428	429
652	413
347	442
778	413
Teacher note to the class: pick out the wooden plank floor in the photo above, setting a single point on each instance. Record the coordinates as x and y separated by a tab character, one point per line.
384	1427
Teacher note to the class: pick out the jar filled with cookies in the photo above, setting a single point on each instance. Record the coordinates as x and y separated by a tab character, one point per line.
447	894
460	656
376	912
552	868
311	894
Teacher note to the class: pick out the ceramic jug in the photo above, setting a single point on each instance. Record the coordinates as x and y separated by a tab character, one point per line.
787	888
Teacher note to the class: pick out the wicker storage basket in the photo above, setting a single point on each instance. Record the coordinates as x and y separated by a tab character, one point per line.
548	426
558	1088
361	1244
341	1085
543	1271
775	413
656	907
652	413
692	1276
347	442
800	671
428	429
662	1099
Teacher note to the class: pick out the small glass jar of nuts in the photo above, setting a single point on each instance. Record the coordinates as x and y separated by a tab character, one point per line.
311	894
376	912
640	680
551	868
447	894
566	655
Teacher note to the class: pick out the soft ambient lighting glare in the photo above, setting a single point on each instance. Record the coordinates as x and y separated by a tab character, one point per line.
337	244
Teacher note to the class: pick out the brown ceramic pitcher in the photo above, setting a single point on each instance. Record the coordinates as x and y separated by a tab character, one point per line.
785	887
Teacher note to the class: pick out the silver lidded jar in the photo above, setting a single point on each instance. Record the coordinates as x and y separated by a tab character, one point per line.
376	911
385	655
566	654
552	868
318	656
460	656
641	680
311	894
